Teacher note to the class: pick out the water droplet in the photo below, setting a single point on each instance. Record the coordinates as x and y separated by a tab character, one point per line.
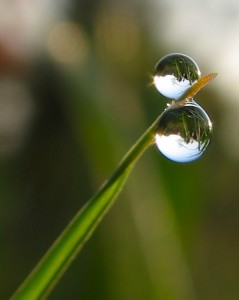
184	131
174	74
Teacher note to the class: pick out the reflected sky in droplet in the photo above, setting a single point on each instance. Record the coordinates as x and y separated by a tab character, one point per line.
170	87
174	74
175	148
184	131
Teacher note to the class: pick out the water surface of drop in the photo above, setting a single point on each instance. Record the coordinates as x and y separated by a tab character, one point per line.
184	131
174	74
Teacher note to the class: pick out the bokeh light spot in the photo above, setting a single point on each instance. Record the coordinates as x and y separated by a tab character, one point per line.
67	43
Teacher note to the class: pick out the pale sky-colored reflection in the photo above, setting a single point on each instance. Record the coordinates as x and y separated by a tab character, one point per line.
170	87
174	147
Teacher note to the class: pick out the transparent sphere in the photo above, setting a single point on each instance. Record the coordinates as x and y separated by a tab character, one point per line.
174	74
184	131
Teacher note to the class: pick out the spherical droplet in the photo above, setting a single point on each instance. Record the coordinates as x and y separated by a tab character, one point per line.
174	74
184	131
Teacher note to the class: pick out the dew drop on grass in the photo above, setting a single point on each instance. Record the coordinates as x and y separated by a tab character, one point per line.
174	74
184	131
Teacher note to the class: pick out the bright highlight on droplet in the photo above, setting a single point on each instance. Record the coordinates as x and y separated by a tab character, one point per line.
174	74
184	131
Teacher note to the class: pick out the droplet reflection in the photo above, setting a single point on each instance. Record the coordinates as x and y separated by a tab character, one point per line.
174	74
184	131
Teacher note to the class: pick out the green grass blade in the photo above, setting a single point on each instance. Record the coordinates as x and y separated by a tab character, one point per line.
67	246
47	273
197	86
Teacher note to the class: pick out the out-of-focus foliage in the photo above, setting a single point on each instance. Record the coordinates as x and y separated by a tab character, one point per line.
75	94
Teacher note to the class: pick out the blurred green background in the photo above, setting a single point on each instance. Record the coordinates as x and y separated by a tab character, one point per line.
75	93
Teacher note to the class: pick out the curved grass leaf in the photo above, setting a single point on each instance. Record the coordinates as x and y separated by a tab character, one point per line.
55	262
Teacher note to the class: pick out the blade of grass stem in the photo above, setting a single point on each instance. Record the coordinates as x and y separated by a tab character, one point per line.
46	274
60	255
197	86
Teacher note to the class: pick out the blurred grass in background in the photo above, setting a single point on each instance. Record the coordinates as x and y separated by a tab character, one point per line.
75	94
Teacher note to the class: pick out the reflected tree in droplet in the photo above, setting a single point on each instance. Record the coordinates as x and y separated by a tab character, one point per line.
184	131
174	74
